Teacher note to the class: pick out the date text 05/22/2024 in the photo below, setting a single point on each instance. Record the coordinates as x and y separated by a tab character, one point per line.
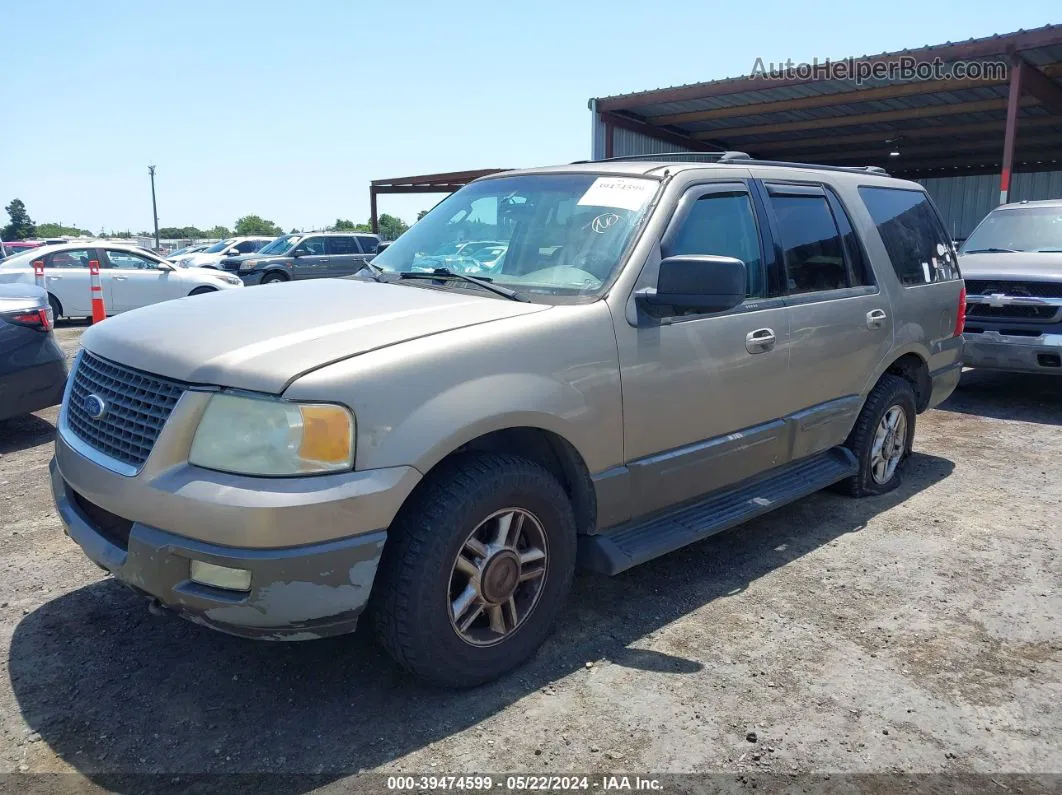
516	783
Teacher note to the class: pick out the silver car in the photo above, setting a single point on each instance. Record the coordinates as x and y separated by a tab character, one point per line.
666	351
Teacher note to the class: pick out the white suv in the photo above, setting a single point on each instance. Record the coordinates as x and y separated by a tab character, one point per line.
232	247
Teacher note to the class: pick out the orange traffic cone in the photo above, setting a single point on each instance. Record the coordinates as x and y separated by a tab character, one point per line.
99	312
38	273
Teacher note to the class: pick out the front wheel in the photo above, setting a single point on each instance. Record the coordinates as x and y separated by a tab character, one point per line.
203	290
273	278
475	570
882	437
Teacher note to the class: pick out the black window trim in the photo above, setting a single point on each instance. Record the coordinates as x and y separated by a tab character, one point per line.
800	188
938	219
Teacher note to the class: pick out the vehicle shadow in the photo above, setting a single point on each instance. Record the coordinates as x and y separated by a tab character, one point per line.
1008	396
119	694
22	433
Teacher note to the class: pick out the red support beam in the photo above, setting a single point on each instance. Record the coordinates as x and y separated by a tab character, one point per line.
1011	130
373	217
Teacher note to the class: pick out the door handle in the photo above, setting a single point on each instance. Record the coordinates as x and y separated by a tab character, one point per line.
876	318
119	278
55	278
760	340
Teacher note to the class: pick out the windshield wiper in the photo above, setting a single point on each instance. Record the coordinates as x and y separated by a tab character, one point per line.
991	250
375	270
446	273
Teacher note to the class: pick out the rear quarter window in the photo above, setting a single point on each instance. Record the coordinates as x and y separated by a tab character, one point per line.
914	238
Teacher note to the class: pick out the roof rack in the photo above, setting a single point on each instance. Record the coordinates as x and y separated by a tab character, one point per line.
735	157
696	157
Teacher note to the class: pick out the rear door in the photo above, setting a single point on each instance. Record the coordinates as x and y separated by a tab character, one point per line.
344	256
310	259
840	320
66	274
138	280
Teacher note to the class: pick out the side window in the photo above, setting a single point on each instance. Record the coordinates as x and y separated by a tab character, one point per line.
859	271
368	244
341	245
313	246
127	260
71	258
723	224
249	246
814	253
909	227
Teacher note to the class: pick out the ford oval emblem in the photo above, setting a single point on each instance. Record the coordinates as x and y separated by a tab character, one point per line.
95	407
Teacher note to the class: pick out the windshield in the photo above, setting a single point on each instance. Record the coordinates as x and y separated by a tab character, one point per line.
218	247
282	245
541	234
1018	229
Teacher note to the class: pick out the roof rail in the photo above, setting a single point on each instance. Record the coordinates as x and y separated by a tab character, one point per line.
735	157
696	157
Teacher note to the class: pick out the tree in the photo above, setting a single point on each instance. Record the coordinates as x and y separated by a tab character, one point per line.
58	230
256	225
220	232
21	226
421	214
391	227
343	225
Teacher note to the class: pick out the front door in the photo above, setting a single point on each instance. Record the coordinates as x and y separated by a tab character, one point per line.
137	281
310	259
840	320
703	395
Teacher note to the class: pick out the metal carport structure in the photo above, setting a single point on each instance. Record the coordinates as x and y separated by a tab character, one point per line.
957	134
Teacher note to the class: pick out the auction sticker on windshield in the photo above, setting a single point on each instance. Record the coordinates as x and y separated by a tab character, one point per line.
624	193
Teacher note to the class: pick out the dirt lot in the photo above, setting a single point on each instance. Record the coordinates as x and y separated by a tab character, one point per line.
916	632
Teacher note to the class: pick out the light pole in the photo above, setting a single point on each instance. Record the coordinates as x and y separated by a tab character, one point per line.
154	207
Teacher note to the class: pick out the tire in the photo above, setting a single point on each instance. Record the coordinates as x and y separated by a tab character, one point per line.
57	308
273	278
203	290
890	393
420	580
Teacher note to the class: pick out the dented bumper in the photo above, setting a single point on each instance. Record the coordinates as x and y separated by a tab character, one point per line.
295	593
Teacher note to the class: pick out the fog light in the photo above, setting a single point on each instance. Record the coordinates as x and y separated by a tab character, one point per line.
220	576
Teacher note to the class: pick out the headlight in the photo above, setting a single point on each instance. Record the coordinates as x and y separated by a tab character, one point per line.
228	279
248	265
264	436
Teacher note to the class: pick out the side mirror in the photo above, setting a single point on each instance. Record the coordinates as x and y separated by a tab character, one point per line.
704	283
166	266
298	252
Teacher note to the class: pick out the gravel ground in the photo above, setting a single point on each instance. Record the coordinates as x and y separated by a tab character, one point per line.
915	632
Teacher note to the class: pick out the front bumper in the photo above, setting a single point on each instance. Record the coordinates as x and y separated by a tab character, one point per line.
993	350
251	277
296	593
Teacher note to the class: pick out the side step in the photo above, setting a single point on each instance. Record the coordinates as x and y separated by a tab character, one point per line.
634	543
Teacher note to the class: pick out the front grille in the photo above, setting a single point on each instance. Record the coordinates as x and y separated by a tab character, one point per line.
111	526
1027	289
1023	311
230	266
137	406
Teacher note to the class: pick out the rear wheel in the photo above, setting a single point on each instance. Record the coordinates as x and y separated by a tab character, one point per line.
273	278
57	308
203	290
882	437
475	570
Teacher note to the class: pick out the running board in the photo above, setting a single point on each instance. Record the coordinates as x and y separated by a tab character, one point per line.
633	543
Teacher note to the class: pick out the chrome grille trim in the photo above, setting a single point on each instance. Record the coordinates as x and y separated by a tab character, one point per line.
138	405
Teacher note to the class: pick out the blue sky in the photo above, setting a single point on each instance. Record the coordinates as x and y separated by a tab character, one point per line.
287	110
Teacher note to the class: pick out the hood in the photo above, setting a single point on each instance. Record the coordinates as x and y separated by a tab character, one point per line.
198	259
1017	266
262	338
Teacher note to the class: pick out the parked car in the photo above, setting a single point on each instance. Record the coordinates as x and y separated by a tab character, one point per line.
669	350
32	367
1012	263
130	276
173	256
211	256
481	256
10	249
313	255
